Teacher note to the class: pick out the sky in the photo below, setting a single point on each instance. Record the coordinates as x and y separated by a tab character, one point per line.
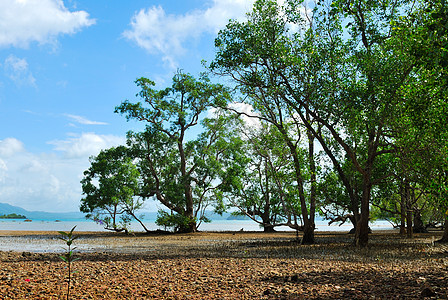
65	65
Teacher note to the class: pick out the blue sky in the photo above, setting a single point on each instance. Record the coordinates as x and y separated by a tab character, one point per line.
65	65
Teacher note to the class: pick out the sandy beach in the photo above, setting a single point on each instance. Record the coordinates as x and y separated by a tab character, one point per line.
225	265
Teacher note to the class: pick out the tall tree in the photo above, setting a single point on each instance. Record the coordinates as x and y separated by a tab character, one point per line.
111	189
254	53
341	67
267	193
172	161
422	139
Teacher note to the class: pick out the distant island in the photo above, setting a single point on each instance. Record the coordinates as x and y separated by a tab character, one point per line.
12	216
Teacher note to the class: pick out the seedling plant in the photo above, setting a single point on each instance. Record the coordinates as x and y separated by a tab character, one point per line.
67	257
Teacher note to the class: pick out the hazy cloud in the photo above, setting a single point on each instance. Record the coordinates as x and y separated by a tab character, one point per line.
25	21
17	70
161	33
3	170
86	144
249	116
246	112
9	147
83	120
48	181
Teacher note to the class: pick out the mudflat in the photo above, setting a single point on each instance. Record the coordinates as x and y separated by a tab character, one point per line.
225	265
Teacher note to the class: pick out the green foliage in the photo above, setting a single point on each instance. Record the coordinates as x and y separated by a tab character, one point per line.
178	222
68	258
266	191
274	67
185	175
111	187
367	80
354	73
12	216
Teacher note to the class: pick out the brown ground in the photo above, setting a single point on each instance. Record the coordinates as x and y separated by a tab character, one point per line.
229	266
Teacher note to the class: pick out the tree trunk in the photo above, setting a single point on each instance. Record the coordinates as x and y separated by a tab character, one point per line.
268	228
419	227
189	209
407	192
362	228
265	217
402	210
308	234
312	165
308	225
409	230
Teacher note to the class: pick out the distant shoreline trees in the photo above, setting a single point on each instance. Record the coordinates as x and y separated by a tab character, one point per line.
13	216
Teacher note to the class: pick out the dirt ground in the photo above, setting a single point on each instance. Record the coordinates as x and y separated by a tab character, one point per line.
226	265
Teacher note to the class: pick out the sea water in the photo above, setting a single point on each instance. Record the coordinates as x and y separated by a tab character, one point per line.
50	243
215	225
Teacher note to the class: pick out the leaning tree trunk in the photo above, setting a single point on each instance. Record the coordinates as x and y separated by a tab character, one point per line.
308	224
265	217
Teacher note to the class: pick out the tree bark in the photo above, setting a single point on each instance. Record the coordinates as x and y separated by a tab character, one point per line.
362	228
268	228
312	165
407	192
419	227
409	231
189	209
308	225
265	217
308	235
403	210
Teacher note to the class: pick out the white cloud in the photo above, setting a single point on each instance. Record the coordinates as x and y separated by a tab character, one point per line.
250	117
48	181
86	144
17	70
33	166
3	170
25	21
10	146
158	32
246	112
83	120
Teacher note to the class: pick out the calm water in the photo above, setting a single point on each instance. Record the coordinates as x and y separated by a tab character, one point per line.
216	225
51	243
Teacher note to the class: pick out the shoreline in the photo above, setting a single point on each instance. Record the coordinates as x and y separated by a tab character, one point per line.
215	225
231	265
94	241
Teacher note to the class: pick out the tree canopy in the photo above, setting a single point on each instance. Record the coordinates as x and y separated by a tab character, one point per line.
350	98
